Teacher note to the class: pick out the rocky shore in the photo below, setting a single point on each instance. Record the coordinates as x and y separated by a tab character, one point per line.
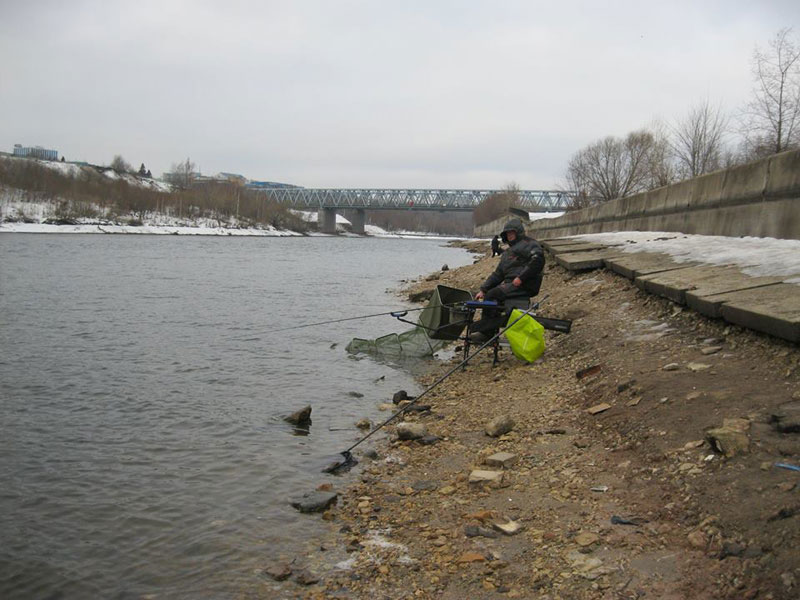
647	454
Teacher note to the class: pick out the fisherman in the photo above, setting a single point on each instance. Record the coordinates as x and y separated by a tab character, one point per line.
516	279
496	250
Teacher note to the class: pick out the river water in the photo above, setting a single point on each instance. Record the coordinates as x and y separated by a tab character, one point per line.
142	445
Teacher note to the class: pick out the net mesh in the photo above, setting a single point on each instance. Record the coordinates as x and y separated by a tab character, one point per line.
441	321
412	343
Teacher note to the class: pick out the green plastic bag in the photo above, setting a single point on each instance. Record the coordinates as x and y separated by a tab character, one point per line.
526	336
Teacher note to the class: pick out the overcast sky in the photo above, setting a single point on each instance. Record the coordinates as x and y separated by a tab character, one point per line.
459	94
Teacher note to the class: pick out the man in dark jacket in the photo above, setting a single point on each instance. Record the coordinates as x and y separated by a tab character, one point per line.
496	250
516	279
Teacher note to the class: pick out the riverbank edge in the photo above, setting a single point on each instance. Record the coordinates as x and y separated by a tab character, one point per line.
94	229
383	533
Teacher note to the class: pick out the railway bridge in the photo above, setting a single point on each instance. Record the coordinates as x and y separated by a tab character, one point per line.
327	201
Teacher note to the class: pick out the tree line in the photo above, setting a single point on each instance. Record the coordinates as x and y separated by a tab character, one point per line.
705	139
91	195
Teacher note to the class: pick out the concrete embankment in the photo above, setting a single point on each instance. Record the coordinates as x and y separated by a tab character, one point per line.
640	463
760	199
762	303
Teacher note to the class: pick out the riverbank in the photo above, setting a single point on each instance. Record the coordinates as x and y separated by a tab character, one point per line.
612	481
203	228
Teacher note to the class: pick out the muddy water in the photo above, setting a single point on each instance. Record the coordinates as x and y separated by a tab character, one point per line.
143	449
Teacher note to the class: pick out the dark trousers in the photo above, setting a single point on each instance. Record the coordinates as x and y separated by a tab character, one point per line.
492	319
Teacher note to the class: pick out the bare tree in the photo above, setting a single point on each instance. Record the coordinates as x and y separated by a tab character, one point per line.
182	174
120	165
771	121
612	168
698	139
496	205
661	165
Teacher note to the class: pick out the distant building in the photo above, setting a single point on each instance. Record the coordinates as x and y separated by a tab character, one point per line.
269	185
35	152
231	178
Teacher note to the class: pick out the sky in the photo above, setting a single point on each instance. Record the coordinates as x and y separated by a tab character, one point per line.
357	93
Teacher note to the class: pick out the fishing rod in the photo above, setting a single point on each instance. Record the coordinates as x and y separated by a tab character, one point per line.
349	461
394	313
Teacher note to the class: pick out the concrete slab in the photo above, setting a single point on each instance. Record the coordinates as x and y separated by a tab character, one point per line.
772	309
558	242
585	261
633	265
577	248
701	281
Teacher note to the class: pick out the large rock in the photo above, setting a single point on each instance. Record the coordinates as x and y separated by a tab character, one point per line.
411	431
499	426
278	571
316	501
730	439
301	417
401	395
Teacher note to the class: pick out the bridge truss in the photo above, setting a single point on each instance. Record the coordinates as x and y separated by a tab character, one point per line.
412	199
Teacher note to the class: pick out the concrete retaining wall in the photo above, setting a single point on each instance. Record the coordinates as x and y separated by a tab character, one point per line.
760	199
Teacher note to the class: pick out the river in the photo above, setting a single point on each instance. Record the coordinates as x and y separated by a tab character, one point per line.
143	450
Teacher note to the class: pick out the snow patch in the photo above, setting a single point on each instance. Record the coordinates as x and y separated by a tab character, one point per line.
753	256
535	216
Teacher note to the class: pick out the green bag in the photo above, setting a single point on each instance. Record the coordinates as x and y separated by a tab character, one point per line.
526	336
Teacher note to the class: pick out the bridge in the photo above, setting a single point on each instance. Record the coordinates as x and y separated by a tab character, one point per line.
328	200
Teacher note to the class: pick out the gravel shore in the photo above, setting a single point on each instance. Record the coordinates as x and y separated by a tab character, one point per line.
641	464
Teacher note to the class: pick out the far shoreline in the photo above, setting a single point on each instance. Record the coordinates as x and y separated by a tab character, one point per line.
201	231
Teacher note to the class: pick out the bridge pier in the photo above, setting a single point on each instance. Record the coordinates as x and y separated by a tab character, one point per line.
359	221
326	219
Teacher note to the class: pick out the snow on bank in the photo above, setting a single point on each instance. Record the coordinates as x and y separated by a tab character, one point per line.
754	256
535	216
30	217
144	229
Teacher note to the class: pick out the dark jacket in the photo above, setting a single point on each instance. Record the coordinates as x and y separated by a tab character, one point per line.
524	259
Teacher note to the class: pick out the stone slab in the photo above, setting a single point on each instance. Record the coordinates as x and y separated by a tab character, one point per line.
702	280
585	261
501	459
772	309
577	248
636	264
480	476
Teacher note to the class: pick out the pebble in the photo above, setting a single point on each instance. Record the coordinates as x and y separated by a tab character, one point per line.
697	366
509	528
697	539
671	367
477	531
710	350
470	557
586	539
411	431
499	426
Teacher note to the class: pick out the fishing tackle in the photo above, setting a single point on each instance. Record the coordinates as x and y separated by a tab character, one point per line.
348	461
394	313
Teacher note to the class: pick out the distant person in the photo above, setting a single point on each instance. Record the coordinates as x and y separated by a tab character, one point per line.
516	279
496	249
